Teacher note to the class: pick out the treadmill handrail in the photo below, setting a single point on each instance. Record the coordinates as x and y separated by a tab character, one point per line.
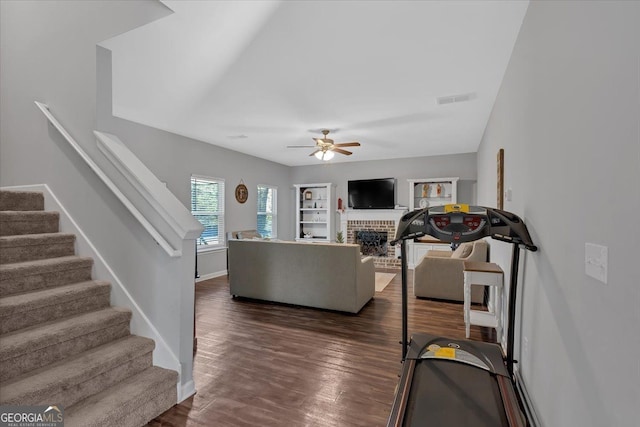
515	241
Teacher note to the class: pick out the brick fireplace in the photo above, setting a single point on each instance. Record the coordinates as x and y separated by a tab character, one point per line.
373	225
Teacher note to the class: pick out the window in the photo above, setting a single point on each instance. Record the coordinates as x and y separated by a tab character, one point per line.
207	205
267	197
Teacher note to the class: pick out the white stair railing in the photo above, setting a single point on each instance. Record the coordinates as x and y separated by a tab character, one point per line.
167	213
172	226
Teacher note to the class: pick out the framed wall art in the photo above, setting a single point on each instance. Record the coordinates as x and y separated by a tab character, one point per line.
242	193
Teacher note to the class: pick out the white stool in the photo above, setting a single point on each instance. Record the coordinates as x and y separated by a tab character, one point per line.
485	274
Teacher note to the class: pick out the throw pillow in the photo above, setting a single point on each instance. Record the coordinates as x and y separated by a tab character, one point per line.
249	235
463	251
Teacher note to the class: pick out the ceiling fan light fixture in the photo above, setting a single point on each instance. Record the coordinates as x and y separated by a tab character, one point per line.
324	155
325	148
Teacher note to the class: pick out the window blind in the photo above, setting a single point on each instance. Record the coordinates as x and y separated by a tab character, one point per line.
207	206
266	220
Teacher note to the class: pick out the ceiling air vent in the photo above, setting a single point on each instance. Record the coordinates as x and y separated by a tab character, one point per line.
456	98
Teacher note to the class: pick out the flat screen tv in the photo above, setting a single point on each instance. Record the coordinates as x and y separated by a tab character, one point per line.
372	193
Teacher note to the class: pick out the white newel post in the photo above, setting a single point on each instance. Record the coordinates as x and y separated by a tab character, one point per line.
187	318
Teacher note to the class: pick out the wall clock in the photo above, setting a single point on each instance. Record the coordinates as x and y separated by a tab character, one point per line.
242	193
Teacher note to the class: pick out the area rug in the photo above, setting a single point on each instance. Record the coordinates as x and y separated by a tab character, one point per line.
382	280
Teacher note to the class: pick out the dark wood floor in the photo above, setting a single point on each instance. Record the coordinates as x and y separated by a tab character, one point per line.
264	364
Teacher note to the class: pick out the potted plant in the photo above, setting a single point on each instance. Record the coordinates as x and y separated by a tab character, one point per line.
339	237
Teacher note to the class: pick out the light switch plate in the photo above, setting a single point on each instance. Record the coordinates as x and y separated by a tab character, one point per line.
507	194
596	259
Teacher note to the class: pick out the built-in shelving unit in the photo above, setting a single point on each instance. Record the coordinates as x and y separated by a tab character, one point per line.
315	212
428	192
424	193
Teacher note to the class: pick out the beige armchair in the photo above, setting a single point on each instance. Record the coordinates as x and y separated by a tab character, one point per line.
439	274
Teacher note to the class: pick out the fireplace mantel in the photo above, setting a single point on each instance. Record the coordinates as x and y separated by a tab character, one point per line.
370	215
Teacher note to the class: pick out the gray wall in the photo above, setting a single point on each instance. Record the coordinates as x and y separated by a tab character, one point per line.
174	158
568	117
456	165
49	54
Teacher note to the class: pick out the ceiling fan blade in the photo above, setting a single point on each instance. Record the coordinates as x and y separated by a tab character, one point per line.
337	150
314	153
347	144
300	146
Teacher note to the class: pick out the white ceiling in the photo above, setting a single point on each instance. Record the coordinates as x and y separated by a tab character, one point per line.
256	76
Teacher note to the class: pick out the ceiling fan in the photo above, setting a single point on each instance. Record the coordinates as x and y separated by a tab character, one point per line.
325	147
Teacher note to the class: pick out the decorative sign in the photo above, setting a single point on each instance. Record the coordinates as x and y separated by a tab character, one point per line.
242	194
500	183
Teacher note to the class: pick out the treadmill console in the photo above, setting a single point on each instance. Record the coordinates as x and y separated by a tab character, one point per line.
460	223
456	223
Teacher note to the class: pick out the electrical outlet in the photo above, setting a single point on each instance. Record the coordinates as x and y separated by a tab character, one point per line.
596	261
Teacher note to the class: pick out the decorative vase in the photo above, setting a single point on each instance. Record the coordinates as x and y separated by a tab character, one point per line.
425	190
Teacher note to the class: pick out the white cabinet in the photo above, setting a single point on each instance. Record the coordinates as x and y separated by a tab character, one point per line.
315	212
423	193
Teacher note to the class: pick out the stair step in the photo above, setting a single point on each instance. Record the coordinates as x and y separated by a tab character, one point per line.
21	201
31	308
73	379
132	402
36	246
44	273
31	348
60	341
14	223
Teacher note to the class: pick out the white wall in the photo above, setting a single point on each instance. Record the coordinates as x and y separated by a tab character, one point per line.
568	116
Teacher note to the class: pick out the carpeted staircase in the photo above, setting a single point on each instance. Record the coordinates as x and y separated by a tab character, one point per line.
61	343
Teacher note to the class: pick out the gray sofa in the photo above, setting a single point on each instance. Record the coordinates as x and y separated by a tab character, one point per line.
440	273
322	275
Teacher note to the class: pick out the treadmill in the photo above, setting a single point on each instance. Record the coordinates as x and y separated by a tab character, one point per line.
459	382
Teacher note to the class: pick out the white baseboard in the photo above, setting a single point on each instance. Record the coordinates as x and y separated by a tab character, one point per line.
186	390
529	409
211	275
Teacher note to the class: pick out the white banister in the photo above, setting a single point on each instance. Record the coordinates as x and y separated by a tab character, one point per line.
154	191
165	204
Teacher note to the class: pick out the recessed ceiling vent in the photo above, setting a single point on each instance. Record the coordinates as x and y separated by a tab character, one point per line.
451	99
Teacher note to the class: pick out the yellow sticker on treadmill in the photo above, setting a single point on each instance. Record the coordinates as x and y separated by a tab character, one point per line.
446	353
457	207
